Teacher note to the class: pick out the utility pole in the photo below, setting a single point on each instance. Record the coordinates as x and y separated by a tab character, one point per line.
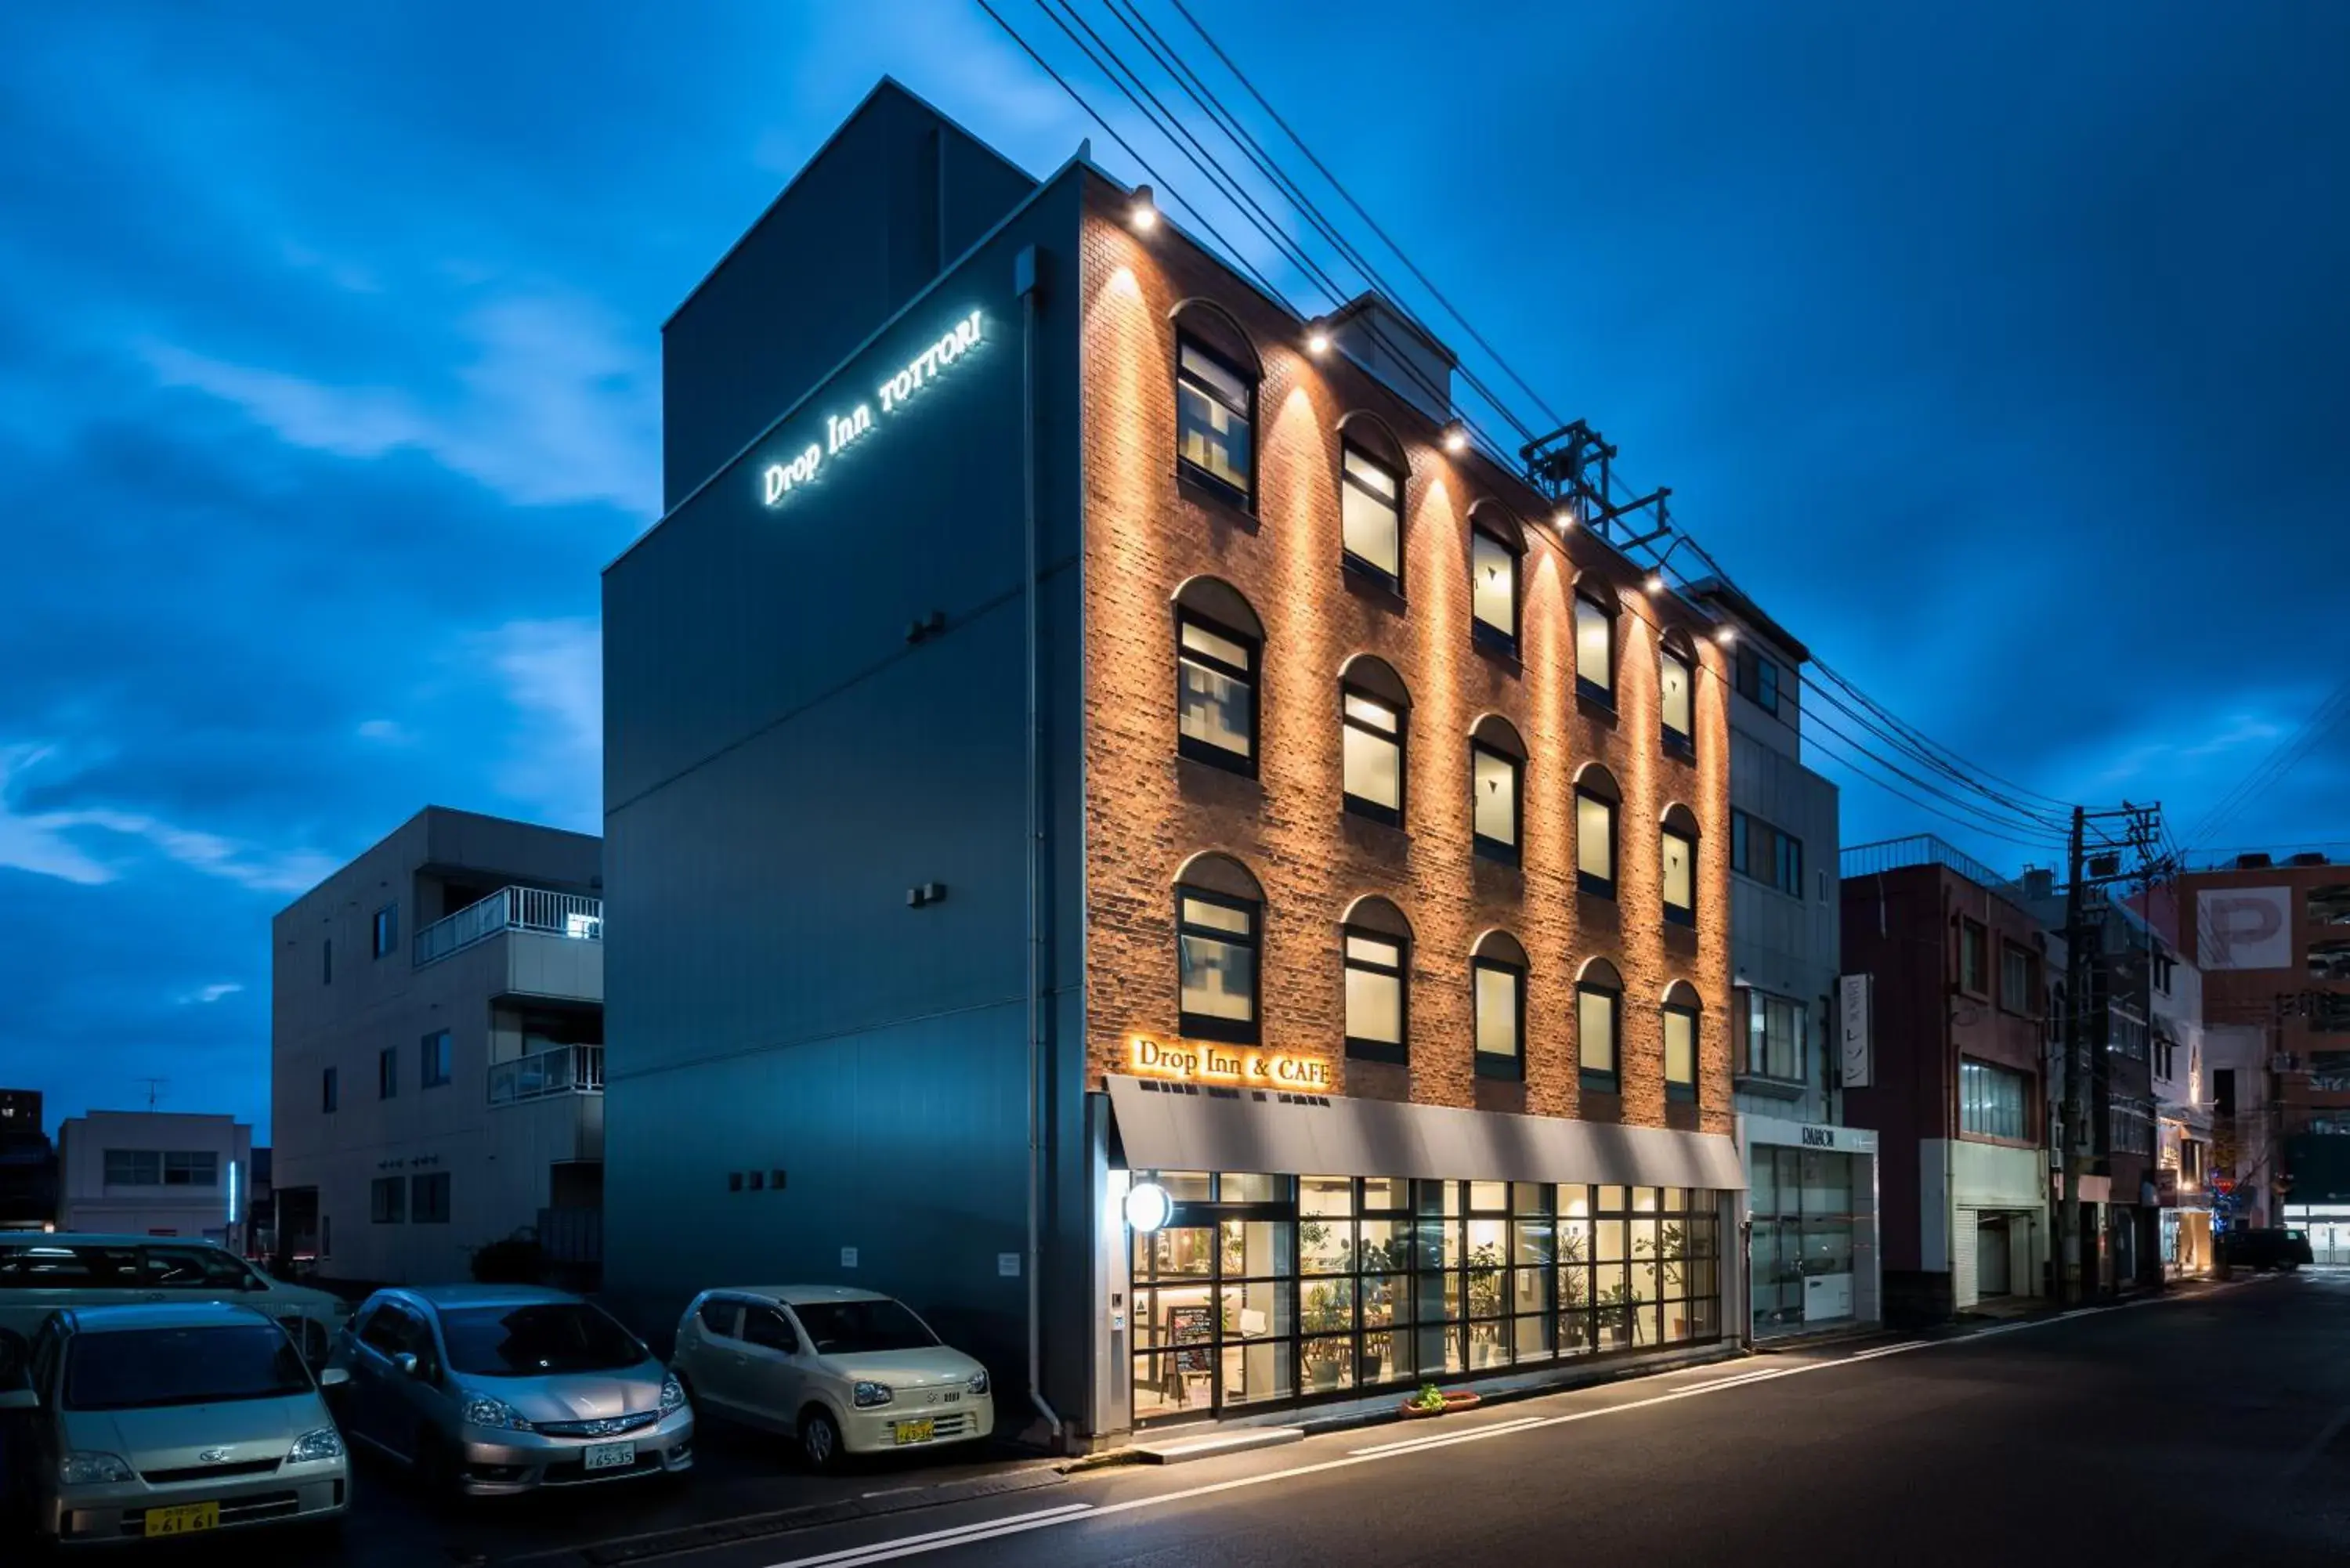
2072	1286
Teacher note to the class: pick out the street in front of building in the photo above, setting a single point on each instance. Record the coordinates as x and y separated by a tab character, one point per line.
1957	1449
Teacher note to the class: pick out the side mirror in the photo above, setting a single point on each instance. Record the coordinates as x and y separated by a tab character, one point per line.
408	1366
19	1399
334	1378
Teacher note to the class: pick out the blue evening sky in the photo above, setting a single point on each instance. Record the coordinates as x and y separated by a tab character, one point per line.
1998	351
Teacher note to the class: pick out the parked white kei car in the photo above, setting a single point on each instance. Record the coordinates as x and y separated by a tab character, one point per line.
174	1419
846	1371
41	1274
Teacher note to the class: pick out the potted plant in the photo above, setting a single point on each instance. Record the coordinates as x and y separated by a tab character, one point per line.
1433	1401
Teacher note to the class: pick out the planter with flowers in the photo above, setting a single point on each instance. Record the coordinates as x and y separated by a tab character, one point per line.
1433	1401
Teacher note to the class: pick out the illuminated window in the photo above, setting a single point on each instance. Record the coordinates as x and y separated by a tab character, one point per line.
1992	1101
1377	963
1215	693
1595	644
1498	995
1215	418
1496	782
1594	832
1598	1008
1493	581
1371	514
1678	843
1676	704
1373	707
1217	938
1681	1016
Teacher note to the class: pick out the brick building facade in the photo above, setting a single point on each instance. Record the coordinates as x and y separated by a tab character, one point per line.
1043	867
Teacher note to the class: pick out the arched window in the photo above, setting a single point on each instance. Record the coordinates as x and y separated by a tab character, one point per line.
1595	799
1495	544
1219	936
1595	639
1218	641
1497	972
1377	962
1598	1014
1216	376
1677	694
1497	761
1371	477
1682	1012
1677	842
1373	707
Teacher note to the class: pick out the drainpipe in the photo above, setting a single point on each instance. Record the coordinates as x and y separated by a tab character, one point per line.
1024	275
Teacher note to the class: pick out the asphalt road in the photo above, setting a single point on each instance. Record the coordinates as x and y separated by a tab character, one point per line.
2208	1427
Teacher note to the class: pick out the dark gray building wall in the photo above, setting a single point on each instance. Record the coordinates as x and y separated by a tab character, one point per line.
782	764
897	194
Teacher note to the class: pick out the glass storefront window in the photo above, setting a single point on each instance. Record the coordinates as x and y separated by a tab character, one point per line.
1803	1206
1273	1288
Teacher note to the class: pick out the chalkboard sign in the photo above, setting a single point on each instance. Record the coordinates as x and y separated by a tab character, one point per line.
1196	1326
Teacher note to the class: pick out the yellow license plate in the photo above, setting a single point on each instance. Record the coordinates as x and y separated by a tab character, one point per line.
181	1520
916	1431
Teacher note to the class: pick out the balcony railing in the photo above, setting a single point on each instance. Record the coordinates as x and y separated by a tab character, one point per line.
511	909
543	1075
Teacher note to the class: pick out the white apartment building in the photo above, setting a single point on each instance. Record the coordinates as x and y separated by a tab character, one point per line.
155	1173
437	1052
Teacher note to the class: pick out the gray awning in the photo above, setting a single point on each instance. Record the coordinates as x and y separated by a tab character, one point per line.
1192	1126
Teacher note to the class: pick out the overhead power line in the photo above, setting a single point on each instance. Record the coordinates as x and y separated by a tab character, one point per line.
1972	797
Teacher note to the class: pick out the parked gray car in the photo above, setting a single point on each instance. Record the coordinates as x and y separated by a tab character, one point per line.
494	1390
171	1420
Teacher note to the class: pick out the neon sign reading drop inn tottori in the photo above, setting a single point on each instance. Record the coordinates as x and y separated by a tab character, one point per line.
842	432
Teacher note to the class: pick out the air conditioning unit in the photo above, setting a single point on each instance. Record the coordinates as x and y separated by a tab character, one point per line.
2252	862
2309	857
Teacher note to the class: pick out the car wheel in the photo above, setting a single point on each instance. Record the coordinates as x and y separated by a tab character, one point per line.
819	1438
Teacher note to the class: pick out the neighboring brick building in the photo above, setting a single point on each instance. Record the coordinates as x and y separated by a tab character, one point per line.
1960	973
1379	827
2273	939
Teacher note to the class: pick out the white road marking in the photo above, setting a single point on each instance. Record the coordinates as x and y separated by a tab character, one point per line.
1071	1513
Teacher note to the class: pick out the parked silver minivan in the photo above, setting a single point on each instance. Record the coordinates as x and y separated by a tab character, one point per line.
174	1419
40	1273
494	1390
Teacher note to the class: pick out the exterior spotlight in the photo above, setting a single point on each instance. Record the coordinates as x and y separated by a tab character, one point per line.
1656	583
1456	437
1565	518
1149	1207
1144	213
1318	338
1726	636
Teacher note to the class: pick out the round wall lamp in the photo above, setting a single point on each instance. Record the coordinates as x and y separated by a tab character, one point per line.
1149	1207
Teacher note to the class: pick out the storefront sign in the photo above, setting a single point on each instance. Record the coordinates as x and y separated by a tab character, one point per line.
1215	1064
844	431
1854	994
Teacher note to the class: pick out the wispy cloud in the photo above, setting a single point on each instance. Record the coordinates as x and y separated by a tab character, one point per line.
553	672
57	843
205	995
550	406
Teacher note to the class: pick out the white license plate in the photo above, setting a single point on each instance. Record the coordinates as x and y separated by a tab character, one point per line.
611	1456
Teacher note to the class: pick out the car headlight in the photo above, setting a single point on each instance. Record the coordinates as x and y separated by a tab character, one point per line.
480	1410
325	1443
868	1395
673	1394
91	1469
978	1384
